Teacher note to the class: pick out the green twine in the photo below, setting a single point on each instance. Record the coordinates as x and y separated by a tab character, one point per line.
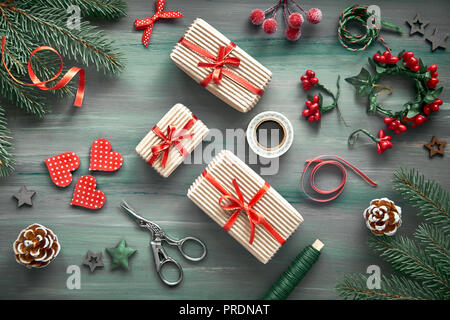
359	42
294	273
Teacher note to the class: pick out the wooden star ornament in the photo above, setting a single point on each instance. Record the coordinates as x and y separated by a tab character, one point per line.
438	40
435	146
24	196
93	260
417	25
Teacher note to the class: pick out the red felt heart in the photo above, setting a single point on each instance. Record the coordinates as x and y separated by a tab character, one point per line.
85	194
102	159
60	168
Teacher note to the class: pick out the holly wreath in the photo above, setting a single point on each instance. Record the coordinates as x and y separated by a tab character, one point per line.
414	113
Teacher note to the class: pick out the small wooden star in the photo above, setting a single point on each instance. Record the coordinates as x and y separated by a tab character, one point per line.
93	260
437	39
24	196
120	255
417	25
431	147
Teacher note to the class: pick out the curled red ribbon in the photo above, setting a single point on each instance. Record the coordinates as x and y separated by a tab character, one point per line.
170	138
148	23
323	160
42	84
218	64
238	204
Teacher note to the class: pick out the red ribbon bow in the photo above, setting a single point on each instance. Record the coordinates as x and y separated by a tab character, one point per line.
219	63
61	83
238	204
148	23
170	138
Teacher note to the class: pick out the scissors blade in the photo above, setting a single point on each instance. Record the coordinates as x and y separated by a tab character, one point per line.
132	214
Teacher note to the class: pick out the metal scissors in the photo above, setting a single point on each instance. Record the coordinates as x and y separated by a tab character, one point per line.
159	254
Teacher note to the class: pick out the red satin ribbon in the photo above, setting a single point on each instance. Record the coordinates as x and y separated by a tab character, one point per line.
148	23
42	84
335	161
238	204
170	138
218	64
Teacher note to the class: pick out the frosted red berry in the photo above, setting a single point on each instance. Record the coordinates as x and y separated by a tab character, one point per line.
293	34
295	20
257	17
270	26
314	15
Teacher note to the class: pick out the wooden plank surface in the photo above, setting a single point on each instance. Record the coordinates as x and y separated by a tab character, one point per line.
123	109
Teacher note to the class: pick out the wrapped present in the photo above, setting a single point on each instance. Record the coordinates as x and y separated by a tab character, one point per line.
223	68
172	139
246	206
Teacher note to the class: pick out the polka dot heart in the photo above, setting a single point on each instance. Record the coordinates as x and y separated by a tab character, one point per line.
85	194
60	168
102	159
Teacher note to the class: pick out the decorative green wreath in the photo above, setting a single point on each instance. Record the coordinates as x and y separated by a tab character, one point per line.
414	112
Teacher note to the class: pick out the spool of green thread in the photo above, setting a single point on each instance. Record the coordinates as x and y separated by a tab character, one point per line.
295	272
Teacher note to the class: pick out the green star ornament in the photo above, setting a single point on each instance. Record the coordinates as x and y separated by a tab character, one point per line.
120	255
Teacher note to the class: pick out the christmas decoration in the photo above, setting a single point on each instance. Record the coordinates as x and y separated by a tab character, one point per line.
222	67
93	260
86	195
360	15
31	24
437	39
148	23
24	196
318	194
244	205
293	20
421	266
165	151
414	113
295	272
314	104
36	246
417	25
431	146
60	167
102	159
383	217
120	255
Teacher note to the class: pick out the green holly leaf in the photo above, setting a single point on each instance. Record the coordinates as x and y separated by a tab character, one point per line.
432	94
412	113
375	66
362	82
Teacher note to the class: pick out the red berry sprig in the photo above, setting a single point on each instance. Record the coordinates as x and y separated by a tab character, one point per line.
385	58
394	124
432	83
432	107
312	111
384	142
411	62
294	20
309	79
417	120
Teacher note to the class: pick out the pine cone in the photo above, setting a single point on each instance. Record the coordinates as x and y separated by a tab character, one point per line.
383	217
36	246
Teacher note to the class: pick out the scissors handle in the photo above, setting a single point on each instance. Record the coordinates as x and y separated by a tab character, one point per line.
180	244
161	259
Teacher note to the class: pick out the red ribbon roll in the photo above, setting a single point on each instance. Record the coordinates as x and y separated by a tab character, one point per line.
238	204
42	84
324	160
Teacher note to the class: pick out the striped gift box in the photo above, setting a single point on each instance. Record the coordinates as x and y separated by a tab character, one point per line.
204	36
281	215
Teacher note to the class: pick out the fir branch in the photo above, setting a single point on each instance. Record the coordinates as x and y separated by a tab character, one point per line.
6	158
436	245
432	200
354	286
410	260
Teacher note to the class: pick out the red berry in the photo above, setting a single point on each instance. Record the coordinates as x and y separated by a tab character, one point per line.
317	116
376	57
434	74
270	26
435	107
393	60
387	54
308	103
420	119
310	73
295	20
313	81
306	85
407	55
314	107
432	68
382	59
401	128
257	17
433	81
415	68
316	99
293	34
304	77
413	61
438	101
427	109
311	119
306	113
314	15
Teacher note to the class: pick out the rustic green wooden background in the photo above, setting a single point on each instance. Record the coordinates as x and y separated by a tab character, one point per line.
123	109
